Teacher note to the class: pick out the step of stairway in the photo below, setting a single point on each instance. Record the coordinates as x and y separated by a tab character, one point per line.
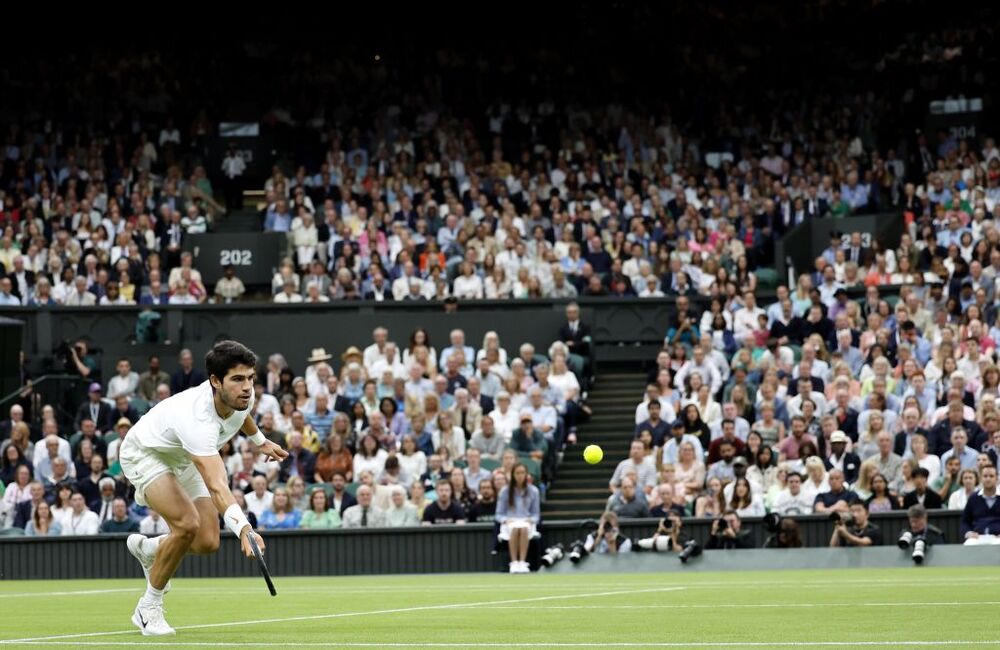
593	492
562	482
569	515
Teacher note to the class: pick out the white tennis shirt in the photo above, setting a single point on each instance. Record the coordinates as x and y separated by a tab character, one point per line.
187	424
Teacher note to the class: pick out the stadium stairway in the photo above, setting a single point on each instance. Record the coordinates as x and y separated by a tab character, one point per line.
580	490
243	220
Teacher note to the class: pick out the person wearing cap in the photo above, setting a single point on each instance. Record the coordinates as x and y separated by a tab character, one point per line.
671	448
121	428
318	358
847	462
94	408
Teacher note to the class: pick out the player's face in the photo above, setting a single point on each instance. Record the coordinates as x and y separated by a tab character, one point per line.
237	387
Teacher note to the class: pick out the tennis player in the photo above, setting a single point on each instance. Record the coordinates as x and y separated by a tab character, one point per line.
171	456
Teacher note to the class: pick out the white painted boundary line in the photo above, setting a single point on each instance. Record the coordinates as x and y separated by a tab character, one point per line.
756	606
532	583
87	592
316	617
652	644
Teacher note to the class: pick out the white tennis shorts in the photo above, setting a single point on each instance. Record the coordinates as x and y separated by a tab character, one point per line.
142	466
506	528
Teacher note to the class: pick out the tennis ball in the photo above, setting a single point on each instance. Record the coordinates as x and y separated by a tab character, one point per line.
593	454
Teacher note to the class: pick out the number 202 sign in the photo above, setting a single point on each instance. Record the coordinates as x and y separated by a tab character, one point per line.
236	257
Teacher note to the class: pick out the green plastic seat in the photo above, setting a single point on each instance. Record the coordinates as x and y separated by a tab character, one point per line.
110	436
767	279
489	464
13	531
352	488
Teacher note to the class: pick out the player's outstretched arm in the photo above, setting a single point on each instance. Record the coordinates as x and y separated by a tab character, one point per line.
213	472
264	446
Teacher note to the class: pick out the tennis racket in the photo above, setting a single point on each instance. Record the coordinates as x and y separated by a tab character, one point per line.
263	565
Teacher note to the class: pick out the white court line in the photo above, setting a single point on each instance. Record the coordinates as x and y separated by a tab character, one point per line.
609	644
533	585
756	605
68	593
316	617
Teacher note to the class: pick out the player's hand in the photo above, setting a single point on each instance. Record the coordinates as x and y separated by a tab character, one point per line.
245	542
273	451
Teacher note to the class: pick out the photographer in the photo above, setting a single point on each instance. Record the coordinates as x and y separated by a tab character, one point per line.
727	533
919	528
78	360
607	538
854	529
669	535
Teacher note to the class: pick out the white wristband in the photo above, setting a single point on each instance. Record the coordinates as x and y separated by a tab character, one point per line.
258	438
236	521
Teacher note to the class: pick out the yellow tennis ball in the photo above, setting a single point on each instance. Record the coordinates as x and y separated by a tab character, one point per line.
593	454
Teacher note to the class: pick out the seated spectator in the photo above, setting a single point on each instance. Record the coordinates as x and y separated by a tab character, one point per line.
816	478
743	501
15	494
319	514
922	494
847	462
888	463
485	506
838	498
529	441
300	462
959	449
486	440
333	458
43	523
711	502
671	447
981	516
659	429
446	434
723	468
80	520
443	510
881	499
728	435
791	500
400	513
364	514
340	498
788	449
969	479
948	483
260	499
728	533
855	530
369	456
120	521
629	502
637	463
153	525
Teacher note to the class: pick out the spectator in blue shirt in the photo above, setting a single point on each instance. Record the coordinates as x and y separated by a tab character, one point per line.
280	220
981	517
321	417
518	513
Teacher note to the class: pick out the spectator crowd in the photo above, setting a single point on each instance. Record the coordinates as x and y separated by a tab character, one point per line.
400	434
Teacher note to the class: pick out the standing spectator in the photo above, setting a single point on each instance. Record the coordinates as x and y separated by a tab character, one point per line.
150	380
233	167
187	375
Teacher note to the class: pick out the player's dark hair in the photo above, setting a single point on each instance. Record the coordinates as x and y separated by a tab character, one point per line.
226	355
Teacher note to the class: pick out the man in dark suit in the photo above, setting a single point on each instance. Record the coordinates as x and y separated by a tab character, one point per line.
26	509
855	252
300	461
187	375
122	410
94	409
172	240
575	332
929	499
939	440
911	428
341	499
21	281
379	290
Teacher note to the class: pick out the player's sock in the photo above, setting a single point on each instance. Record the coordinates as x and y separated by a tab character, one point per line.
153	596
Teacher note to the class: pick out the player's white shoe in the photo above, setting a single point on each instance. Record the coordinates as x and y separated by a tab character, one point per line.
134	545
149	619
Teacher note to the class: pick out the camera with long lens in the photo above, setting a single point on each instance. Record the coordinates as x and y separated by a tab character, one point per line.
845	518
578	551
918	542
722	525
553	554
691	549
